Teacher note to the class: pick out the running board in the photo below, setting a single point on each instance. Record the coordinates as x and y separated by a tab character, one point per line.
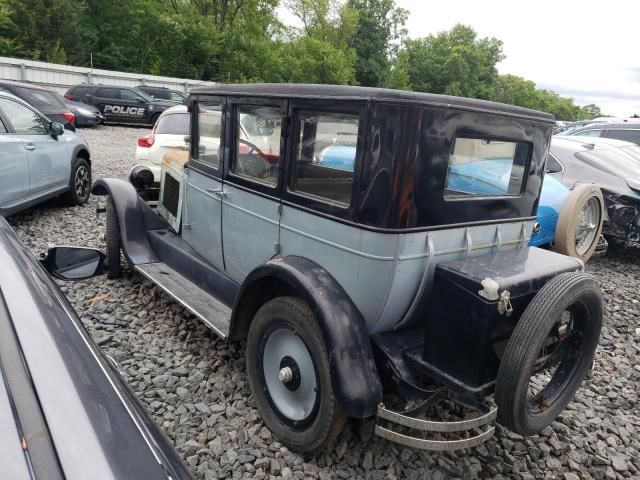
215	314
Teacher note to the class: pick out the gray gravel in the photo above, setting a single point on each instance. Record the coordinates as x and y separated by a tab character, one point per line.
195	387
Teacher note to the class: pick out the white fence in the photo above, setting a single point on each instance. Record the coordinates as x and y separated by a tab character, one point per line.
61	77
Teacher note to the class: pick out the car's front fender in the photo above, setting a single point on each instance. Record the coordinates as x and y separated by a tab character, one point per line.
135	218
356	382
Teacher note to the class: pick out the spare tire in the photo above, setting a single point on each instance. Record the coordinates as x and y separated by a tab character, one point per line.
580	222
549	353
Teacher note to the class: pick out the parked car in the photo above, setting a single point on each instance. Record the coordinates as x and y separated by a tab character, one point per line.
46	101
120	104
163	93
86	115
614	167
39	159
349	283
627	131
58	394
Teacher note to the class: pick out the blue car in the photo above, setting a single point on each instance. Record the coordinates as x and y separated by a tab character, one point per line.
492	177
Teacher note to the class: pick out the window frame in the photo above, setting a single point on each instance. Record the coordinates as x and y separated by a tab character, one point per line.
11	130
252	184
194	136
473	197
313	202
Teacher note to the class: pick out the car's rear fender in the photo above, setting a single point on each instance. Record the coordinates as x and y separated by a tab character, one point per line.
135	218
356	382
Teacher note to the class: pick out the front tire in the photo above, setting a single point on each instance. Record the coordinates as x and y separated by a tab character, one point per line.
289	376
549	353
80	183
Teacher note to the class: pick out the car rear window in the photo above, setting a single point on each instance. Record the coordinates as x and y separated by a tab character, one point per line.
486	168
173	124
40	98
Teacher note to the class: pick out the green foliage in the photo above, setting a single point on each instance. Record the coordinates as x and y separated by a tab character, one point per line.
339	41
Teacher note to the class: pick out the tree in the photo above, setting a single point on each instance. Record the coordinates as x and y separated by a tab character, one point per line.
590	111
378	35
454	63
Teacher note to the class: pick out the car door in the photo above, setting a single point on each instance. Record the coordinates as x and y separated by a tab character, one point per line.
48	156
201	219
134	106
14	164
251	198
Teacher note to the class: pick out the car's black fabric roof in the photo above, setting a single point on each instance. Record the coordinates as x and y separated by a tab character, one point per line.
341	92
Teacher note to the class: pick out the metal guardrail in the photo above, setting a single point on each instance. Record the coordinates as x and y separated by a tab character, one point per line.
61	77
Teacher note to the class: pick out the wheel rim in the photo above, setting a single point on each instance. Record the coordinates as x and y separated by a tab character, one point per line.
587	226
82	181
557	361
289	375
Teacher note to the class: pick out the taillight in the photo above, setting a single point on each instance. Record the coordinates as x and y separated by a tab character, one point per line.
146	142
69	117
68	97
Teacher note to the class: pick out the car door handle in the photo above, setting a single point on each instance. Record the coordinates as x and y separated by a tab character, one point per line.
30	146
217	191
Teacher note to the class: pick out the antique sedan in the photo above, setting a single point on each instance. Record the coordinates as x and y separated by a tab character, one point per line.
65	410
400	272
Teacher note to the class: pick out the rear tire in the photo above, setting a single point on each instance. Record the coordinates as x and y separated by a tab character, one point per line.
112	238
302	411
80	183
576	220
543	321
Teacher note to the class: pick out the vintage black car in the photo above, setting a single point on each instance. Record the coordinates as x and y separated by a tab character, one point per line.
65	410
372	247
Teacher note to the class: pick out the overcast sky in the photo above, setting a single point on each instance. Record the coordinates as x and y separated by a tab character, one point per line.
583	49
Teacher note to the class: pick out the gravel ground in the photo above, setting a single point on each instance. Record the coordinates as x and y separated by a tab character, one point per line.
196	389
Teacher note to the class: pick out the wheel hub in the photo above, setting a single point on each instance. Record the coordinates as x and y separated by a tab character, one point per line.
289	373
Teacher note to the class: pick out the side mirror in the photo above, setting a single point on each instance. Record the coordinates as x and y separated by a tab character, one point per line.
74	263
55	129
141	101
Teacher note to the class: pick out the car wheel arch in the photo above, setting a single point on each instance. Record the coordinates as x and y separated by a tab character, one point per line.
355	381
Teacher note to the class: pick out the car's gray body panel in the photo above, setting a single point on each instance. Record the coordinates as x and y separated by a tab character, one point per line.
12	457
47	163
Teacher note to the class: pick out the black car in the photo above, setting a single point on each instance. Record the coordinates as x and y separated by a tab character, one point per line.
613	166
86	115
163	93
627	131
46	101
120	104
65	411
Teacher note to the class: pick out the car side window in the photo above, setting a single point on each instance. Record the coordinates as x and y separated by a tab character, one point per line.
129	95
485	168
628	135
209	134
553	165
256	152
589	133
3	127
325	156
112	93
24	120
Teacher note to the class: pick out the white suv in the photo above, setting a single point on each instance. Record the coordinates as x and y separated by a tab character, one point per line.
168	134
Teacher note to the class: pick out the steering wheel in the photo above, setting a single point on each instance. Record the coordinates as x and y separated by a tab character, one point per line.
254	163
253	147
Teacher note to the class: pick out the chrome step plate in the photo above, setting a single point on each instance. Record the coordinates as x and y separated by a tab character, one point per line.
215	314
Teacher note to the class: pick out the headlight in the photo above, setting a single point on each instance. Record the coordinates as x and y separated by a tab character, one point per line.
84	111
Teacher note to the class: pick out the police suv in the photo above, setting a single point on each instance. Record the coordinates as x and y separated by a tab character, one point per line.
120	104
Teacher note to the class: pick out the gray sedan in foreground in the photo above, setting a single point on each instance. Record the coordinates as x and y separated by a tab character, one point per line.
65	412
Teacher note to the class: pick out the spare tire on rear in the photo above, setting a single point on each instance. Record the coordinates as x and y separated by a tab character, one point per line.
549	353
580	222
